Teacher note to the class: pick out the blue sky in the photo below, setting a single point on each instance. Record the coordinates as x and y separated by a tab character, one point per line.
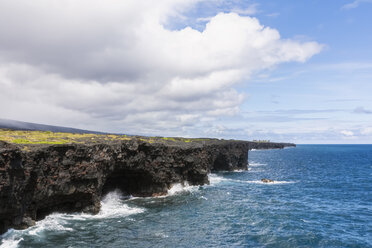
326	99
195	68
337	81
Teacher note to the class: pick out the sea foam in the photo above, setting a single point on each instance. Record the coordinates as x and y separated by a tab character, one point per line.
180	188
215	179
10	239
112	206
254	164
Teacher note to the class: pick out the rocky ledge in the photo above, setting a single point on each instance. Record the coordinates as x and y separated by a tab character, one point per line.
38	179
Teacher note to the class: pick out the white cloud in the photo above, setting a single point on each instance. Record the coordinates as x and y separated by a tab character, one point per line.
112	65
347	133
366	131
204	19
362	110
273	15
250	10
355	4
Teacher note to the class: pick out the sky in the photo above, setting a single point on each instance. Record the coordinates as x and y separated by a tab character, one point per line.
285	71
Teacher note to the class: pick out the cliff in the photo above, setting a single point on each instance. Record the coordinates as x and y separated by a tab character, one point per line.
38	179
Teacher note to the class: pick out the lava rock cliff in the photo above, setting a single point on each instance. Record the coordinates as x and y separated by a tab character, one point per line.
74	177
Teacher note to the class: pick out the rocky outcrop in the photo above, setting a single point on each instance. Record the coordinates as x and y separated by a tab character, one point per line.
266	180
70	178
269	145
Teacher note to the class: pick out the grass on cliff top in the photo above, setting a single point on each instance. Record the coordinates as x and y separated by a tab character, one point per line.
47	137
52	138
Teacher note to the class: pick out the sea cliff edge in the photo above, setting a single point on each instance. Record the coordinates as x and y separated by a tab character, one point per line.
38	179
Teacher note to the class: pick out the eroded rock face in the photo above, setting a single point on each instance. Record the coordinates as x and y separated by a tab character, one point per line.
71	178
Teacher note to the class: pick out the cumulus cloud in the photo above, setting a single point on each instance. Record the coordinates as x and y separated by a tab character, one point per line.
347	133
113	65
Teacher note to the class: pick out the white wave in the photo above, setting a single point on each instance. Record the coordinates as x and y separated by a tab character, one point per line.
175	189
215	179
254	164
10	243
260	182
161	235
53	222
179	188
10	239
112	206
255	171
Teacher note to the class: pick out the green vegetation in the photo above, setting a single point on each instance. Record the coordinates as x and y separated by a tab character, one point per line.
169	138
26	138
25	141
47	137
262	141
186	140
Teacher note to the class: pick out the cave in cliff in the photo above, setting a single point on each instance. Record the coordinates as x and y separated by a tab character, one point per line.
132	182
63	203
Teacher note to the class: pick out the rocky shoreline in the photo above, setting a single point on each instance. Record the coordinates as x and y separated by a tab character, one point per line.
44	178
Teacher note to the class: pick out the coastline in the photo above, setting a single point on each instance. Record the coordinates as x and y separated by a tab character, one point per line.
39	179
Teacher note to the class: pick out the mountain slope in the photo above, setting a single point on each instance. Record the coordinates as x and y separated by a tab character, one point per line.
20	125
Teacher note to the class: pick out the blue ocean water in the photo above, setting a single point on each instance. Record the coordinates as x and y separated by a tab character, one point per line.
322	197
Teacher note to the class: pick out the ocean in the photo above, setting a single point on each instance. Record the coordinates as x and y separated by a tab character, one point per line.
321	197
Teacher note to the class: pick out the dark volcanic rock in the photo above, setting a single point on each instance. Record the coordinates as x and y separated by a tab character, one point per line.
70	178
269	145
266	180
